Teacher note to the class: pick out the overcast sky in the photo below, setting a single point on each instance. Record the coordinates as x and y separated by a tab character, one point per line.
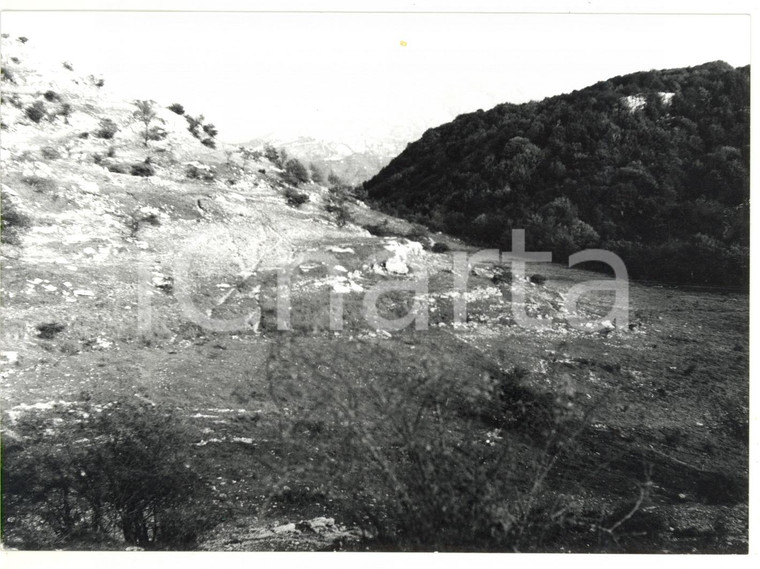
367	76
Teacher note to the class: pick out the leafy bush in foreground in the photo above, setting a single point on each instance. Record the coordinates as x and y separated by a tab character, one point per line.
421	458
102	473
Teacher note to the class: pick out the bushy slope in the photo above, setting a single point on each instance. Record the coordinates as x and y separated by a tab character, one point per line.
652	165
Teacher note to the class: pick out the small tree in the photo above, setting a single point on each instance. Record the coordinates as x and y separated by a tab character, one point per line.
145	113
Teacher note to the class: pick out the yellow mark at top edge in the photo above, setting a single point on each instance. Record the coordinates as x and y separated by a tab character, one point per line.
403	43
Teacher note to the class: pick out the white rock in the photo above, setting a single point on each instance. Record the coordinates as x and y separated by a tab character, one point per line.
89	187
340	250
83	292
397	266
9	357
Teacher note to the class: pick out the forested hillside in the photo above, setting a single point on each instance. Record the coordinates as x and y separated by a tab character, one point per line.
652	165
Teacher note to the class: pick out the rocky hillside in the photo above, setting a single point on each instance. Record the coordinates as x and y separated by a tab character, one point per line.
152	397
652	165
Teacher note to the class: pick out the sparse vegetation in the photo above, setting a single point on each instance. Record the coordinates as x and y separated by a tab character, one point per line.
440	247
538	279
39	183
51	96
50	152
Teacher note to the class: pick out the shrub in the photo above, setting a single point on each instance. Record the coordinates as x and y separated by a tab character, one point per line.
52	96
208	142
200	172
404	455
50	153
210	130
317	175
89	471
36	111
381	230
12	221
7	75
107	130
157	133
23	39
49	330
272	154
339	211
176	108
65	111
97	81
39	184
68	66
143	169
117	168
538	279
502	275
296	172
295	198
417	232
439	247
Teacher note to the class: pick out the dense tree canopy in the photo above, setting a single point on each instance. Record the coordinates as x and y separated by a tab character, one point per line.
652	165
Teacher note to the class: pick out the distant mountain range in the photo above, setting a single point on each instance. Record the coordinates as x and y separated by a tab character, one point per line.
353	162
653	165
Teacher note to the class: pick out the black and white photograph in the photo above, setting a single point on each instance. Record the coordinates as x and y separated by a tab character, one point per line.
414	277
